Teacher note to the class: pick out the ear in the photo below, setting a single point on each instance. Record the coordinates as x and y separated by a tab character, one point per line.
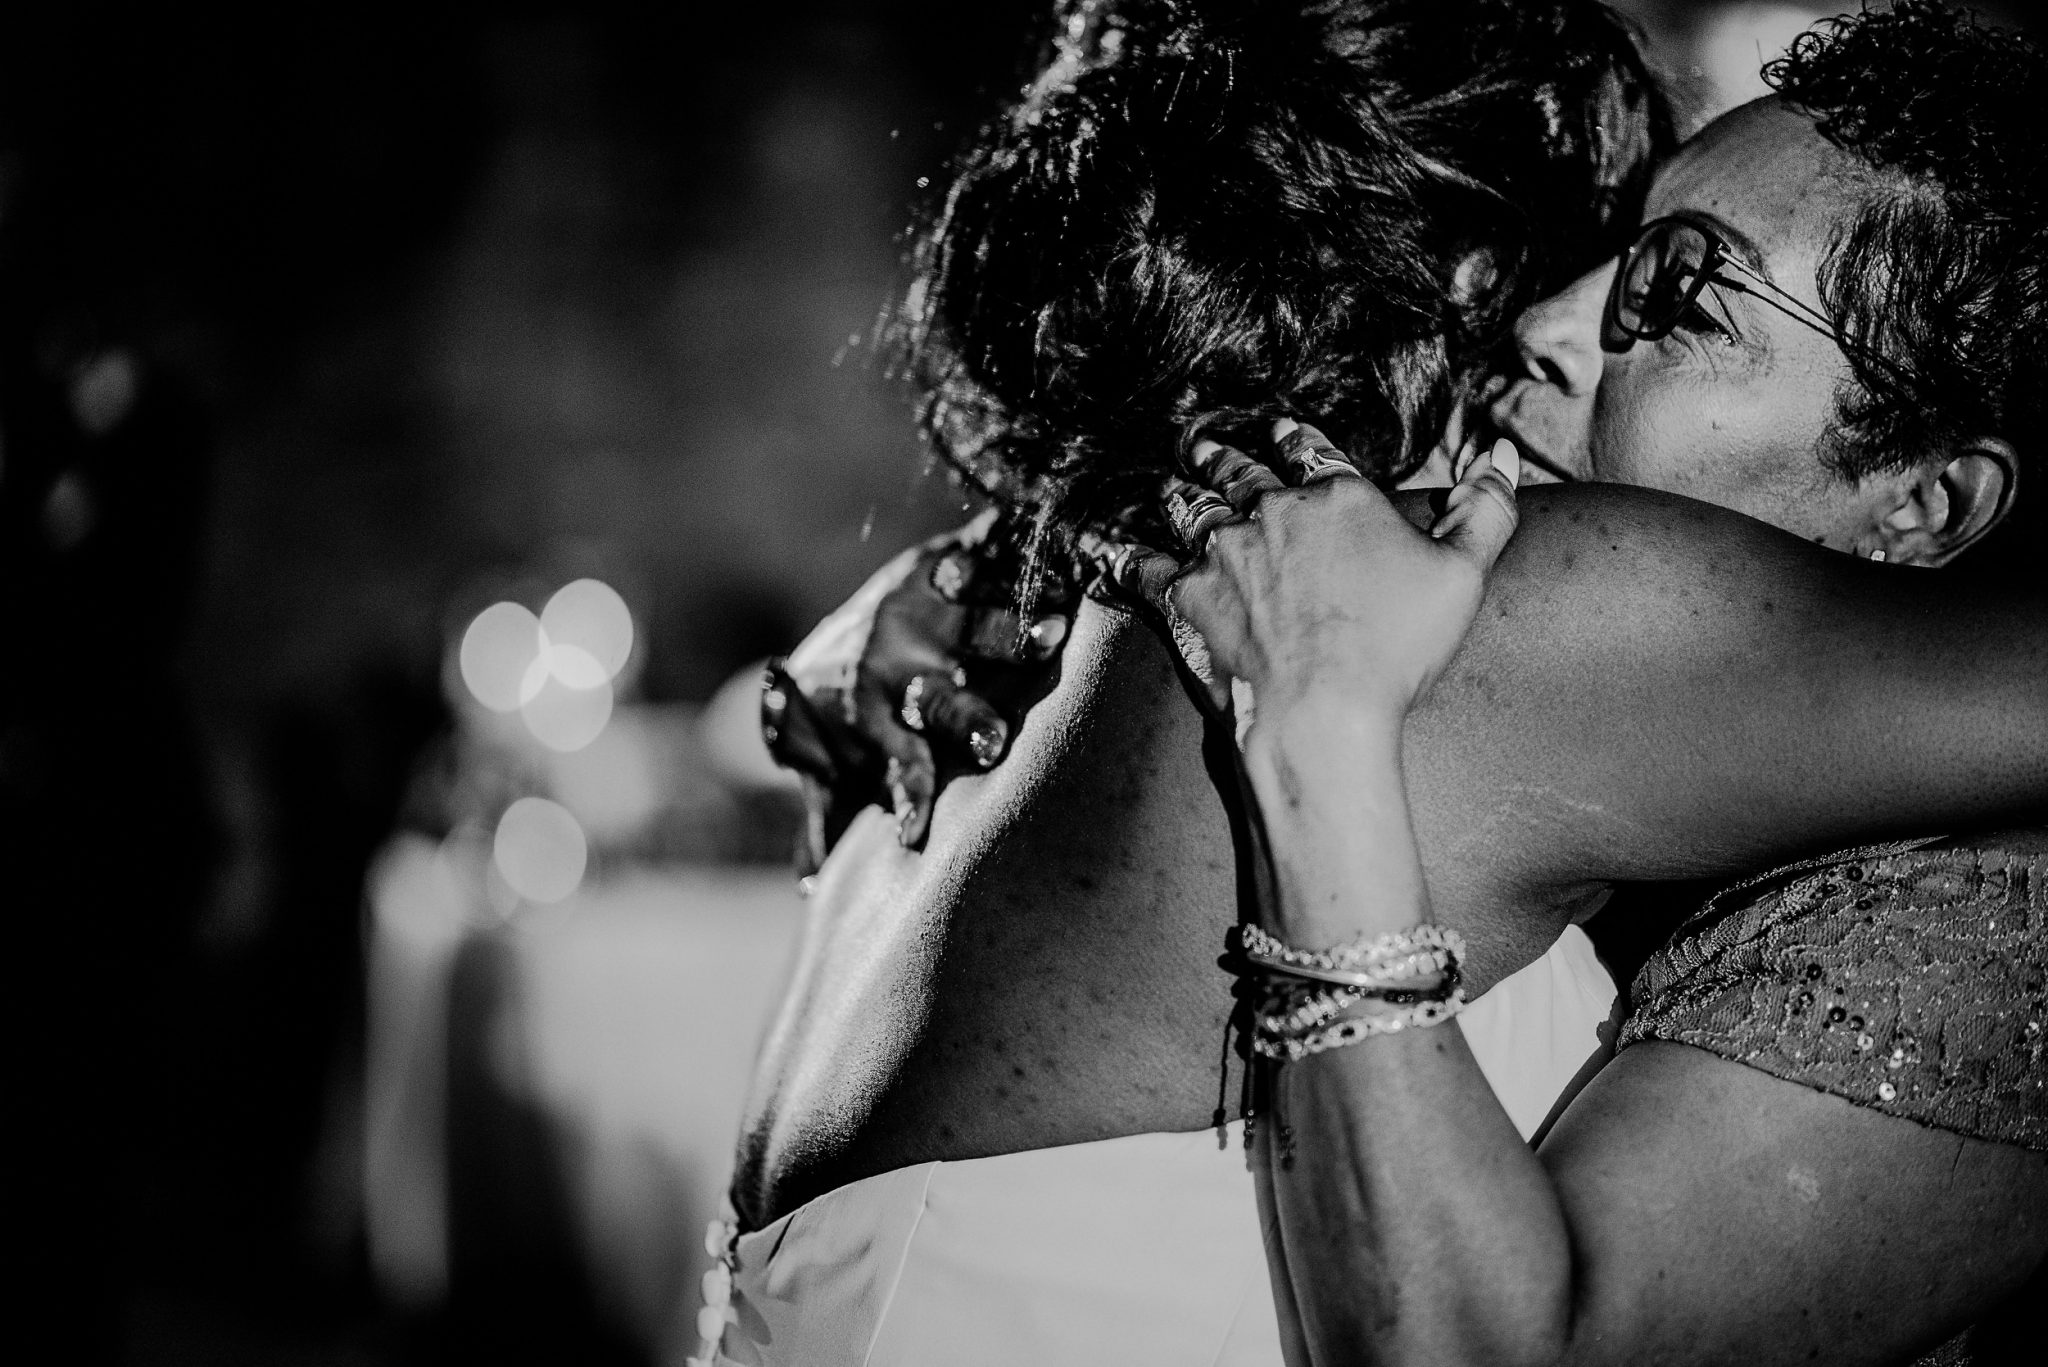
1948	504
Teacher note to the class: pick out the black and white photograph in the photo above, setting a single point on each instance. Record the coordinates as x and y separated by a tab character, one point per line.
1035	683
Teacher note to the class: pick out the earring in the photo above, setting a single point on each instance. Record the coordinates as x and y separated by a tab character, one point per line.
1878	555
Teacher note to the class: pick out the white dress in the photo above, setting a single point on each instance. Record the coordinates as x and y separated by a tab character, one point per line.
1141	1251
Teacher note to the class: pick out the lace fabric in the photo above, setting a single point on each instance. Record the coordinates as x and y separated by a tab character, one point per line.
1910	978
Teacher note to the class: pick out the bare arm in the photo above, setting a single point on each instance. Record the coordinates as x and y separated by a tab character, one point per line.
1689	1210
1685	1210
1657	688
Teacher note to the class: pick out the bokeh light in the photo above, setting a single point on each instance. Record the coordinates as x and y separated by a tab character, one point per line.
554	670
540	850
588	625
564	718
573	665
499	649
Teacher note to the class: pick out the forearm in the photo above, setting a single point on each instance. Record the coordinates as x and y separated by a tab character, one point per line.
1658	688
1416	1226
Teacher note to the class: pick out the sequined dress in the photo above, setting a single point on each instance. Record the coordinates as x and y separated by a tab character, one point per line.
1911	978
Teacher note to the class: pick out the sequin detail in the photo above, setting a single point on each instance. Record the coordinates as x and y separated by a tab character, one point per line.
1910	978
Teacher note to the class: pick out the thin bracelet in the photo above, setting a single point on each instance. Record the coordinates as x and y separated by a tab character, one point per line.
1439	963
1420	1016
1375	955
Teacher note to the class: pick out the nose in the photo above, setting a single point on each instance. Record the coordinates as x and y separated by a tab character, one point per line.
1559	337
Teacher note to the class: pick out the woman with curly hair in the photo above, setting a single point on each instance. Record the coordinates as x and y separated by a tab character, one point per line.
1826	1135
978	1129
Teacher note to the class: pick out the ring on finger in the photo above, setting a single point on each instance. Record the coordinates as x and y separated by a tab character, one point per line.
1313	460
1243	481
951	574
1314	466
917	695
912	710
1196	512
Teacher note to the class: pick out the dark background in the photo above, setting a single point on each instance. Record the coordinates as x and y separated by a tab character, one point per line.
319	326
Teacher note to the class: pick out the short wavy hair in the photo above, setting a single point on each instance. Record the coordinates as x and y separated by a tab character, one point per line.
1206	212
1943	271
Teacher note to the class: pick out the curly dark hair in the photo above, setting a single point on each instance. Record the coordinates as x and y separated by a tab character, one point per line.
1204	212
1943	271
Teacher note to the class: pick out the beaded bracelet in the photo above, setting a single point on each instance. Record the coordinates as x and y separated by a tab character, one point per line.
1303	1014
1437	963
1397	955
1410	978
1290	1048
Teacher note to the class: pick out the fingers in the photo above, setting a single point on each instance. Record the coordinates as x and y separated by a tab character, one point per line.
942	707
1150	577
1241	480
899	756
1144	574
953	573
913	784
1194	512
1310	456
1045	638
1000	634
1480	511
796	735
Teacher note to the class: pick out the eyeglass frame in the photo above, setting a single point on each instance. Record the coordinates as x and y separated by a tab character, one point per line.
1751	281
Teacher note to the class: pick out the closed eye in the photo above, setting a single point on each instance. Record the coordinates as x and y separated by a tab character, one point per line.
1708	316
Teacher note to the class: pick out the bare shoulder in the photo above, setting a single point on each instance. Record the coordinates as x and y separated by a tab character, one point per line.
1724	1214
1825	1134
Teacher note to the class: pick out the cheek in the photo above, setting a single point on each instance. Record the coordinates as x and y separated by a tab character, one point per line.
1650	428
1745	446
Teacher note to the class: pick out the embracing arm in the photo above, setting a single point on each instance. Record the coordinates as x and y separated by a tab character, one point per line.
1659	688
1687	1209
1655	688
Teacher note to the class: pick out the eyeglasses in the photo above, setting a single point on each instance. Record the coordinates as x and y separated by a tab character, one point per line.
1663	273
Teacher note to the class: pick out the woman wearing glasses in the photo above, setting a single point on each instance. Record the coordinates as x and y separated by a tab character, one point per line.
1826	1137
1824	1141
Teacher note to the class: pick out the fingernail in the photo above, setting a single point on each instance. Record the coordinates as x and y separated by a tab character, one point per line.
1508	461
1463	460
1283	426
1124	569
912	824
1046	635
1204	451
987	743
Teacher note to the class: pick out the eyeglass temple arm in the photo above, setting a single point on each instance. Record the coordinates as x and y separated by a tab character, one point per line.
1751	281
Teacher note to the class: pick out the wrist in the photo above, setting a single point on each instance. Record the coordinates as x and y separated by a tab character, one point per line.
1330	741
1327	778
